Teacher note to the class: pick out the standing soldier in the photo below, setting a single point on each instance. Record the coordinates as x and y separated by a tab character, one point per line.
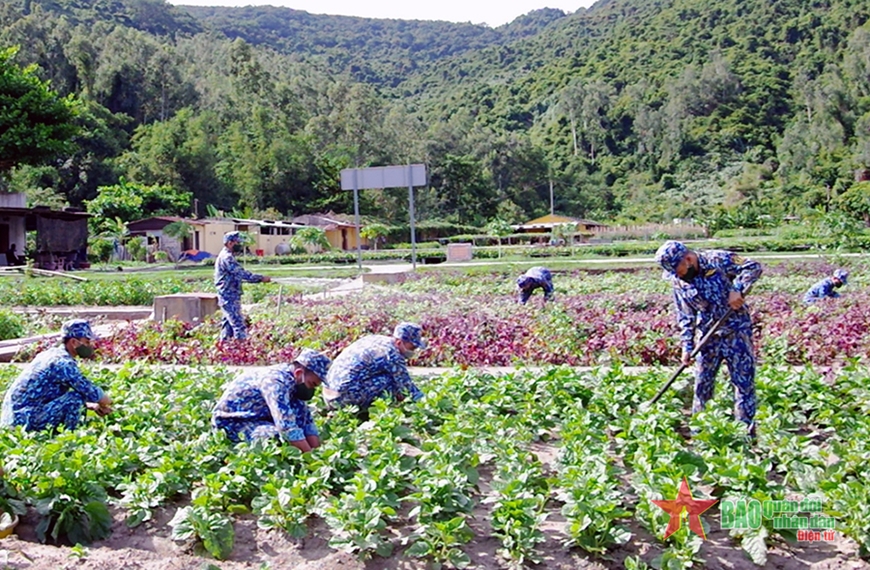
374	367
706	285
52	391
534	278
271	402
228	277
825	287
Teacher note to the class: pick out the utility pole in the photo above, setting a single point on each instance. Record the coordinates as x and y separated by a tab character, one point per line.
552	210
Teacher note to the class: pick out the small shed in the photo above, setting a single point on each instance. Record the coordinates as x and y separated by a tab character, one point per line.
152	230
271	237
545	224
61	235
340	231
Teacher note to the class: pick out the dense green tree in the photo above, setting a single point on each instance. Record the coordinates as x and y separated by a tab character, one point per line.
36	124
465	195
856	201
127	202
181	152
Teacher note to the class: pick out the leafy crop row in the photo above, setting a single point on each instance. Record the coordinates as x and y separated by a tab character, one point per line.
486	329
427	478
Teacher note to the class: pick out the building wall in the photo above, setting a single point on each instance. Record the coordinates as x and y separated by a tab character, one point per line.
211	235
13	200
344	238
268	243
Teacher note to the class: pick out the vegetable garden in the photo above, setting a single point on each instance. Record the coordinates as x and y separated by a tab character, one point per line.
548	467
623	317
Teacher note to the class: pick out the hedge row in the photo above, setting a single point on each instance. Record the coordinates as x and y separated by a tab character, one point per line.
616	249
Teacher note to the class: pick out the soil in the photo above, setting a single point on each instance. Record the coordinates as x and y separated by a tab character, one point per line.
149	546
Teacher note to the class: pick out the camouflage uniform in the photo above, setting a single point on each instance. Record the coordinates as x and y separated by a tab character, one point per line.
51	391
228	277
372	368
534	278
263	403
825	287
700	304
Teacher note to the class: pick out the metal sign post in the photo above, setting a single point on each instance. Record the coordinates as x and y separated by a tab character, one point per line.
356	221
411	217
357	179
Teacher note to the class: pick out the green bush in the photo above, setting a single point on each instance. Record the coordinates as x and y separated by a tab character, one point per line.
132	291
743	232
11	325
100	249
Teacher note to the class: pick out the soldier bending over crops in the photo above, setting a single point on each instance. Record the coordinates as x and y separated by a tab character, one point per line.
52	391
825	287
270	402
535	278
374	367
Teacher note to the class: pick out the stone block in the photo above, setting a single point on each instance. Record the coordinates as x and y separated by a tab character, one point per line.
383	277
185	307
458	252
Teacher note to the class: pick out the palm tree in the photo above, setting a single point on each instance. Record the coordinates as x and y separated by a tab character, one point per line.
114	232
565	232
311	239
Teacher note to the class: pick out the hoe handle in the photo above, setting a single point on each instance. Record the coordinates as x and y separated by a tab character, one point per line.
695	352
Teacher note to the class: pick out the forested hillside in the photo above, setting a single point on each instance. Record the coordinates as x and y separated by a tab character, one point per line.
737	111
380	52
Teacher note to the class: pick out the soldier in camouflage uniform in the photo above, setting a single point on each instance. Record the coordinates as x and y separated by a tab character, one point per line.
825	287
52	391
535	278
228	277
374	367
707	284
271	402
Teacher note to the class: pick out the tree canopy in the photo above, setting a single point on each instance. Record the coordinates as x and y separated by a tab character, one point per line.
632	110
36	124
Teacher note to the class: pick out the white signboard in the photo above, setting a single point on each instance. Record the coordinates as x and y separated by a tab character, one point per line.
383	177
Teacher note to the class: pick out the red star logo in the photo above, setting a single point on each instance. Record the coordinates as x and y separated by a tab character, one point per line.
693	507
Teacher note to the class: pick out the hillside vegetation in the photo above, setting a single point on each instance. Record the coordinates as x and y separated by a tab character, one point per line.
737	112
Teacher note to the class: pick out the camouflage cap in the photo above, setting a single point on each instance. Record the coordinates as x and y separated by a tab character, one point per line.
841	275
524	281
410	332
669	256
314	361
77	328
232	236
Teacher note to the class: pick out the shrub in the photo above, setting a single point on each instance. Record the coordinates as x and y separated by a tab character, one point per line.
11	325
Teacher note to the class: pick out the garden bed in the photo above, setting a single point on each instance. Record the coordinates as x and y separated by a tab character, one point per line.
615	317
494	471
